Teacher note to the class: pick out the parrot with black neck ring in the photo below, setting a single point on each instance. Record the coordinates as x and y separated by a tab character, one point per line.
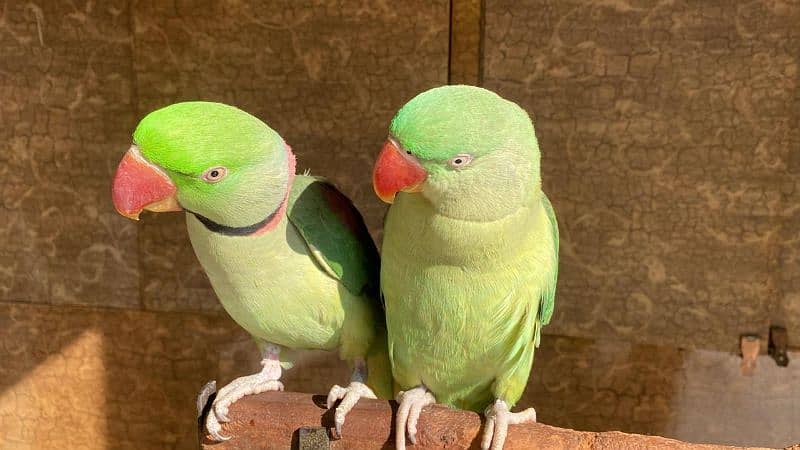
288	255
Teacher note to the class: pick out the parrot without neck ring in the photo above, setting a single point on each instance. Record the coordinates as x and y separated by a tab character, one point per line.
288	255
469	255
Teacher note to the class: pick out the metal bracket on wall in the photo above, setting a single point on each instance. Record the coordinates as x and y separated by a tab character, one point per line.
750	345
778	345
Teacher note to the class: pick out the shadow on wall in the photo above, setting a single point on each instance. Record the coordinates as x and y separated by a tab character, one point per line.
86	378
79	378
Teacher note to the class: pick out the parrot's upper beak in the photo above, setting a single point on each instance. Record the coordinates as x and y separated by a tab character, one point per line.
139	185
396	171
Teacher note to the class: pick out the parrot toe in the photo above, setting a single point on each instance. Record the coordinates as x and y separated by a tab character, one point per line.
349	396
498	418
336	393
411	404
215	429
263	381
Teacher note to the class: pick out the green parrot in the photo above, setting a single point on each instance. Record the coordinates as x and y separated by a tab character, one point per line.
288	255
469	255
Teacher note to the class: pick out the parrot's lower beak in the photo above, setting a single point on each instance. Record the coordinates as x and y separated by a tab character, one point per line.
396	171
140	185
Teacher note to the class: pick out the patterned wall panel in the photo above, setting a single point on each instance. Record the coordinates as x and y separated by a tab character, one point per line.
65	85
669	133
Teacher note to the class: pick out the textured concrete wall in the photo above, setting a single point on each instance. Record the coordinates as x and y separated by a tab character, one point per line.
67	104
691	395
465	42
670	134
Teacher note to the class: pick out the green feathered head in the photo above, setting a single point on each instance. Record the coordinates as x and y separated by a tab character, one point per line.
471	153
214	160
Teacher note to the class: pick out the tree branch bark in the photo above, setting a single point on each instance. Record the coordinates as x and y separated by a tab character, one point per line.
272	421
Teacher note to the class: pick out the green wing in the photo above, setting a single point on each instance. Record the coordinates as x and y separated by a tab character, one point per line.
335	233
548	300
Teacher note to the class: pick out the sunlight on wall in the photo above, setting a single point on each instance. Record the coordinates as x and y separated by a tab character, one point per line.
60	403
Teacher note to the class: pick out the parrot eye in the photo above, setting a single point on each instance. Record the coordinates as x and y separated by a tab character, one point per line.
459	161
214	174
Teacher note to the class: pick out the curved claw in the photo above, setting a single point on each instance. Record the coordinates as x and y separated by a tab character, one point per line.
411	404
488	432
336	393
400	424
214	428
413	418
238	388
498	418
221	412
224	397
349	397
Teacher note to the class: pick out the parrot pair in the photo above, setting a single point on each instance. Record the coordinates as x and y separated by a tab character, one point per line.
468	267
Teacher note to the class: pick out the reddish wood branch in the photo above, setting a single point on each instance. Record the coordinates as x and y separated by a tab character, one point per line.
272	420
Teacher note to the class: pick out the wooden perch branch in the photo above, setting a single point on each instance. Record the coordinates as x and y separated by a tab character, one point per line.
273	421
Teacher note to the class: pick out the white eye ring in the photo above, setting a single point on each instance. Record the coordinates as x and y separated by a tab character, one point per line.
459	161
214	174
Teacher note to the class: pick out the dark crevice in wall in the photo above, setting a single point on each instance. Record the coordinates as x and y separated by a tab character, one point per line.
482	31
450	31
464	46
137	112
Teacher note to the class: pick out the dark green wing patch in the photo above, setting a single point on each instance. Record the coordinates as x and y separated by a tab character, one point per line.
548	300
335	233
549	295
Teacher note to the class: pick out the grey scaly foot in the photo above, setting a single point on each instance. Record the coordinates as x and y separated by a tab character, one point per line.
498	418
264	381
349	395
411	404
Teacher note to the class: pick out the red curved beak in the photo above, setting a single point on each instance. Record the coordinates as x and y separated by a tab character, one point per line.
396	171
140	185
